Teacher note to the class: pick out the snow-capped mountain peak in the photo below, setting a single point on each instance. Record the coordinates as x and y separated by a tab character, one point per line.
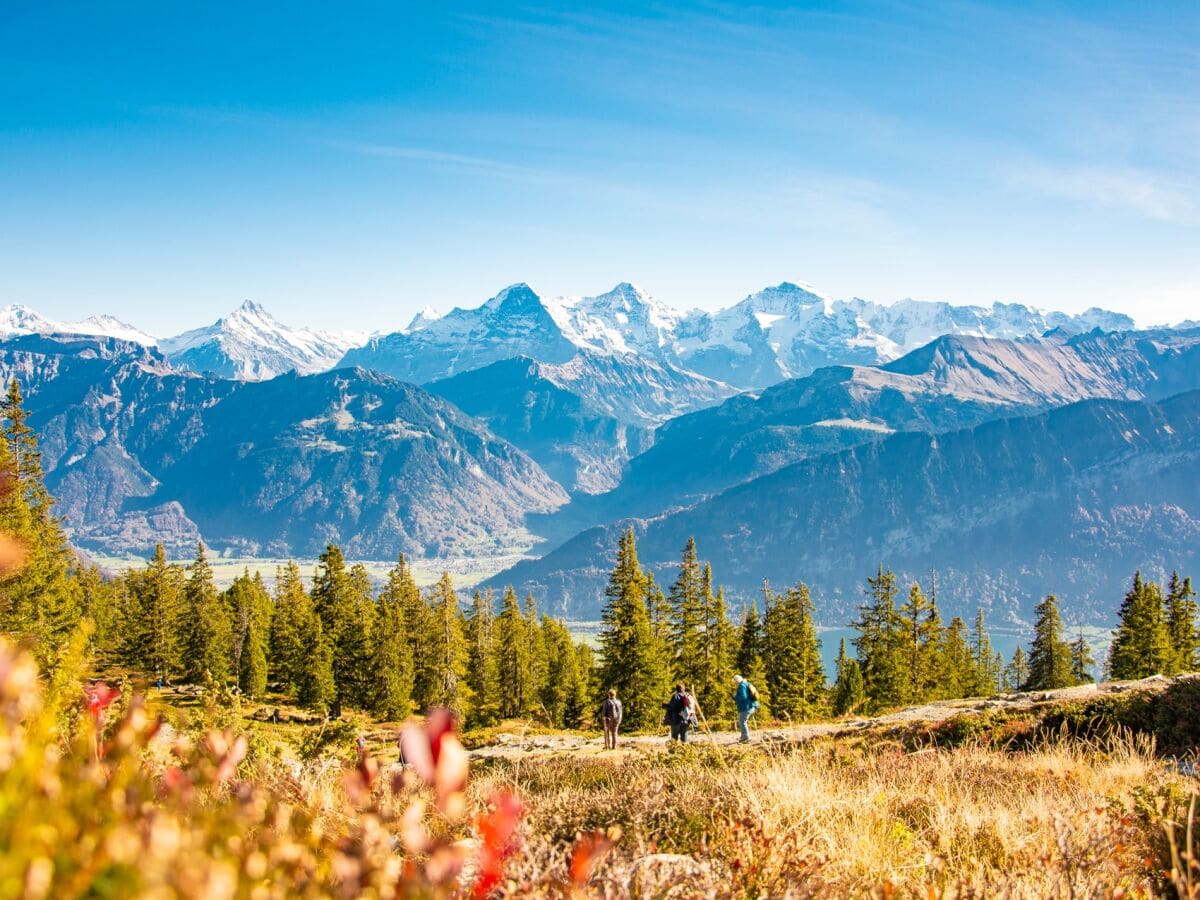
425	317
16	319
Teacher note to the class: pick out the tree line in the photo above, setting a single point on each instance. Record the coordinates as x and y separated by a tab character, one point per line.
334	641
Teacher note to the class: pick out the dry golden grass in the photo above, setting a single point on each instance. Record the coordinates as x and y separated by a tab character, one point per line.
1063	820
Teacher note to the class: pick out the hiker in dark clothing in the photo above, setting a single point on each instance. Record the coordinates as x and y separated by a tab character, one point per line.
679	714
610	716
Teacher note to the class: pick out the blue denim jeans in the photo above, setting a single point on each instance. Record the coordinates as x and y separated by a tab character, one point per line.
744	723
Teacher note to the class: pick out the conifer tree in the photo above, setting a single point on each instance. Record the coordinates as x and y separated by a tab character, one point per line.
415	623
301	653
986	674
749	661
631	652
959	675
1082	661
918	646
1142	645
391	661
41	598
483	673
1016	674
1181	623
1049	655
792	656
579	712
562	678
155	623
209	636
449	651
877	643
342	601
720	648
537	656
849	694
512	658
687	621
249	607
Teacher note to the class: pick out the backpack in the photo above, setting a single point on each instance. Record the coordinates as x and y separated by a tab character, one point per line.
609	709
753	691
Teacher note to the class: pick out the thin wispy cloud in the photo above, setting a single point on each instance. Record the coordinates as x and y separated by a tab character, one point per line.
457	160
1141	192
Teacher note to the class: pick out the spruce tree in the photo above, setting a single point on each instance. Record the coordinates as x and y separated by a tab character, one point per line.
1142	645
1049	655
391	662
849	694
538	659
483	673
918	646
687	621
959	675
1181	623
512	658
209	636
720	648
1016	674
631	652
301	653
155	630
249	607
792	657
1082	661
877	643
449	651
342	600
579	711
562	678
986	673
415	623
749	661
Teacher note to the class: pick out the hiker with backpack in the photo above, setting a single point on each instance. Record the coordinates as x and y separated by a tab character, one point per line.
680	713
610	716
745	698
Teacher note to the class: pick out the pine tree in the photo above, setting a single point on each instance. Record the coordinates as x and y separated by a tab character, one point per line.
1142	645
918	646
1016	674
1082	661
579	712
849	694
512	658
720	647
449	651
301	653
959	675
877	643
687	621
41	598
249	608
1181	624
415	623
749	661
1049	655
986	673
209	638
154	623
792	655
562	678
538	659
342	600
391	662
631	652
483	673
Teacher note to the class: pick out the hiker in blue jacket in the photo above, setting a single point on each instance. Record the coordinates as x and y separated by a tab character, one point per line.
745	698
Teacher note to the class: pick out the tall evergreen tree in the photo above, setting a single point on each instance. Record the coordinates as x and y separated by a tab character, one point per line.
749	661
959	675
687	620
517	691
538	659
450	653
631	652
343	603
249	608
415	623
1082	661
579	710
562	677
918	647
877	643
1142	645
155	625
794	672
301	653
1049	655
986	672
1016	674
391	661
720	648
209	636
849	694
483	672
1181	623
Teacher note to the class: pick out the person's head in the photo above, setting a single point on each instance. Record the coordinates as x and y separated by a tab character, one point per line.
612	694
679	688
738	679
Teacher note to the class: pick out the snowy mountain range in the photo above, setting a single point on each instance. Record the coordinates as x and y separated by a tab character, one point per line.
781	332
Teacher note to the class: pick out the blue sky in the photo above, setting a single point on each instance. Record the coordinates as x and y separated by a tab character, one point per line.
346	164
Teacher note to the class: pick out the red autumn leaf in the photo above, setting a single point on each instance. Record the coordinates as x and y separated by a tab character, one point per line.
587	851
99	695
497	832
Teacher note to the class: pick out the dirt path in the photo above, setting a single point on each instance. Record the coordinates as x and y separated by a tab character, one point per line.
517	746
